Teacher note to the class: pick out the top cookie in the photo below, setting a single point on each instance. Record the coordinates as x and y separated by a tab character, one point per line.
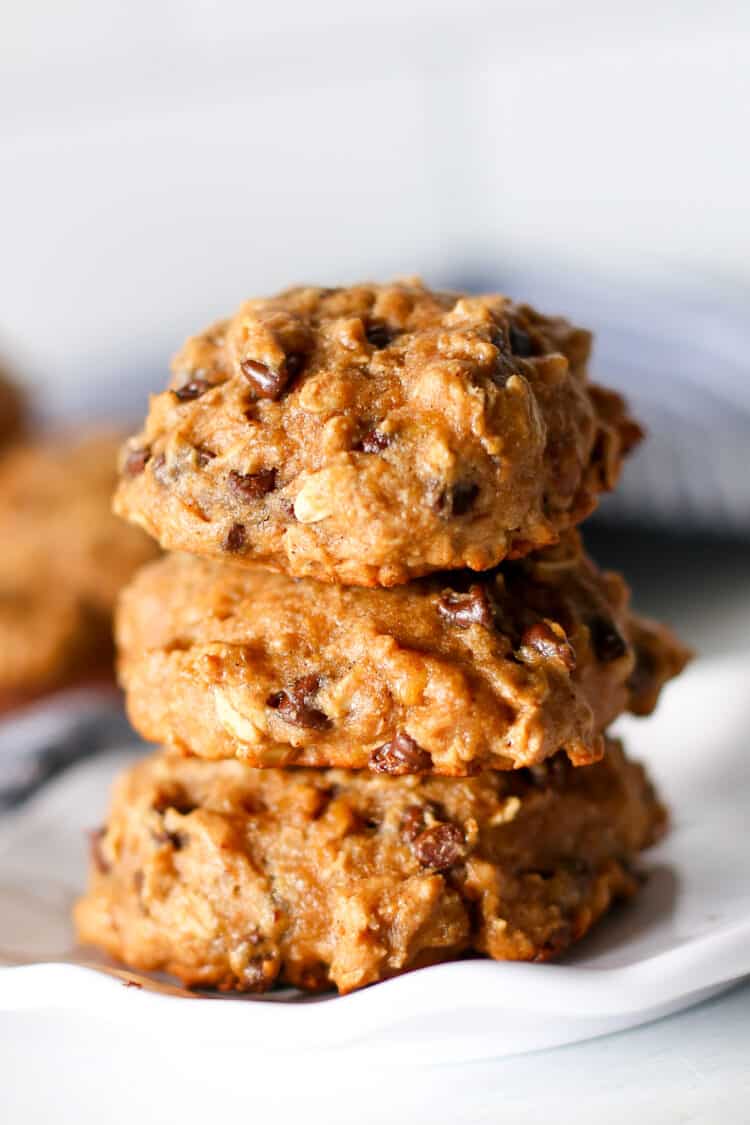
369	435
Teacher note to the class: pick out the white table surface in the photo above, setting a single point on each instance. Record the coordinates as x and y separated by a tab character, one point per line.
693	1067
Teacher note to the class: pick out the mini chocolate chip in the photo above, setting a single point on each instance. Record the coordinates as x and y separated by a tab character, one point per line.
251	486
544	640
295	706
193	389
440	846
374	442
129	983
270	382
235	538
455	500
378	333
462	497
286	506
520	341
399	756
606	638
463	610
135	461
95	850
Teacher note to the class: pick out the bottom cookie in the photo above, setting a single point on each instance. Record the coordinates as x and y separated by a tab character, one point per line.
237	878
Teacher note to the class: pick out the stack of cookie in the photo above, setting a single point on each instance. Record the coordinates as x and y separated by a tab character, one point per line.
384	669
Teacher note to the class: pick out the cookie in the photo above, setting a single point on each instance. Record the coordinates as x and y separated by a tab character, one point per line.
370	435
12	411
450	674
64	559
238	878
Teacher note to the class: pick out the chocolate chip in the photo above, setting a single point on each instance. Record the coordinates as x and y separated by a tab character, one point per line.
95	850
235	538
462	497
544	640
520	342
399	756
251	486
457	499
193	389
606	638
440	846
271	382
295	705
136	461
468	609
378	333
374	442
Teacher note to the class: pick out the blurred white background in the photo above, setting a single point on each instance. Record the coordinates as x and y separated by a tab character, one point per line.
161	160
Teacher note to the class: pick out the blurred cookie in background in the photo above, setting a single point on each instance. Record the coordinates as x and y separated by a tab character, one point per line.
12	410
64	559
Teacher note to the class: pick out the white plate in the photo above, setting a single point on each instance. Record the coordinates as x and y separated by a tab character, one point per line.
686	936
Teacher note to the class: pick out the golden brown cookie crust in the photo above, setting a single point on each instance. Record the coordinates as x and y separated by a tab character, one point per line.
64	559
370	435
449	674
238	878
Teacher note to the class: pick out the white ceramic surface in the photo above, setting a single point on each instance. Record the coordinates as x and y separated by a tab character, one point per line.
687	935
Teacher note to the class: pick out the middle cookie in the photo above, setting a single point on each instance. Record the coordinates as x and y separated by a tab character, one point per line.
448	675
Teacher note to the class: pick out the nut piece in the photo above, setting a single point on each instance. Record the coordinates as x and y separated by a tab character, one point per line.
315	500
240	726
